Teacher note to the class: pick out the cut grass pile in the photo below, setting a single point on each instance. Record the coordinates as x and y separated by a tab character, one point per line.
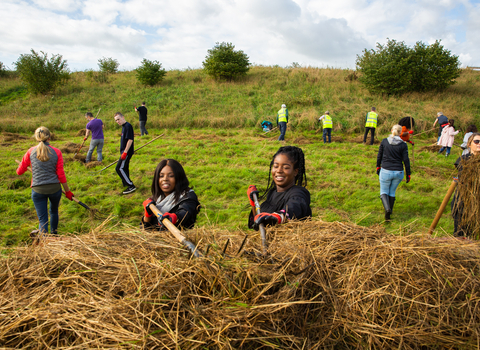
324	285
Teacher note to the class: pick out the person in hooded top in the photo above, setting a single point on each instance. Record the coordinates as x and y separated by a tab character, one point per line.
172	196
286	196
392	157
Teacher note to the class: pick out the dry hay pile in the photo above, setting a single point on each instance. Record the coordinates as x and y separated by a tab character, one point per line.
432	148
69	147
325	285
81	132
8	137
359	139
93	164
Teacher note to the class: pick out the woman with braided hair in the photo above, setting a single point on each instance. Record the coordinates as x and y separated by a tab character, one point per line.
47	178
286	195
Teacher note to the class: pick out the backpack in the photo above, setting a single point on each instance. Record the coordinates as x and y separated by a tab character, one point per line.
266	126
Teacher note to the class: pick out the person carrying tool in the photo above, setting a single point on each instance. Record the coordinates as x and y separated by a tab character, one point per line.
282	120
95	126
286	195
407	124
172	196
392	156
327	125
461	228
126	151
370	125
48	177
447	137
142	118
442	122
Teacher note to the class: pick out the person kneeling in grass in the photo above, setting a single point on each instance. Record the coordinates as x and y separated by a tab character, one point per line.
286	195
172	196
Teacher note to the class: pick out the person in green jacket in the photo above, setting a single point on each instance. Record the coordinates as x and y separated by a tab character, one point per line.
282	120
327	125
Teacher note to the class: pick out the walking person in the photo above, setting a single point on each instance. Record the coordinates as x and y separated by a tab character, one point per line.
282	120
392	157
447	137
94	126
48	177
142	118
126	153
469	132
370	125
172	196
442	122
327	125
286	195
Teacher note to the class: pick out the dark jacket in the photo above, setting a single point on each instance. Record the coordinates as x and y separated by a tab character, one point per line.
295	201
186	210
142	113
393	154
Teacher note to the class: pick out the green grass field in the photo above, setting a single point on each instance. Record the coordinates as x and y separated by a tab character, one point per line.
213	130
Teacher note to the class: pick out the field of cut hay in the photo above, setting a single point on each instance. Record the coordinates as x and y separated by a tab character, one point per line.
323	285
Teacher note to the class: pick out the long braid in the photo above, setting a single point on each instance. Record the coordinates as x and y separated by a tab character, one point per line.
296	156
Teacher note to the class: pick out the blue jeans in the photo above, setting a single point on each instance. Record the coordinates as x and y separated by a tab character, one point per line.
40	201
283	129
443	149
143	130
327	132
95	143
389	181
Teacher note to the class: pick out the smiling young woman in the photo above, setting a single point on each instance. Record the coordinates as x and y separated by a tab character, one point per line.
172	196
286	195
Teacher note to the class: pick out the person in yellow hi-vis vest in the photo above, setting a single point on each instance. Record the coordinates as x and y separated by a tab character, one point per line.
327	125
282	120
370	124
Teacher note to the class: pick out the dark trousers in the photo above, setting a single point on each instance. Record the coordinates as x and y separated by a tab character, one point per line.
123	171
143	130
283	129
327	132
367	129
40	201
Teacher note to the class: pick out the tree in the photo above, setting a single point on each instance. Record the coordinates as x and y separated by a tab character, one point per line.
108	65
223	62
40	74
150	72
3	71
395	69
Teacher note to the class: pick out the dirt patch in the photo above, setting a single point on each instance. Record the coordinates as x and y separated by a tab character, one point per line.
93	164
337	139
80	157
301	140
431	172
69	147
9	137
81	132
359	139
432	148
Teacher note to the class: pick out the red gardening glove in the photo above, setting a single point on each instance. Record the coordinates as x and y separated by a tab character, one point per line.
266	219
170	216
410	132
69	195
378	170
251	190
146	204
124	156
84	139
408	179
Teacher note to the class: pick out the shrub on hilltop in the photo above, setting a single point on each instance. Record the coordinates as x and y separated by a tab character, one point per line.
108	65
150	72
223	62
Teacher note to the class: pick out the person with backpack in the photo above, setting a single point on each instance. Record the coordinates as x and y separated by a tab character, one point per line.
327	125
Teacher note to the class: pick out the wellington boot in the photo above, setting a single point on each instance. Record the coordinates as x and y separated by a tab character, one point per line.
392	202
386	205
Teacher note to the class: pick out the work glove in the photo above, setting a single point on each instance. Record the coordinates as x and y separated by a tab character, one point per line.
413	143
455	179
266	219
251	190
410	132
146	204
170	216
378	170
69	195
84	139
408	179
124	156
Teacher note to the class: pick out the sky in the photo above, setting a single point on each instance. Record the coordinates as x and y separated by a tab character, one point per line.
179	33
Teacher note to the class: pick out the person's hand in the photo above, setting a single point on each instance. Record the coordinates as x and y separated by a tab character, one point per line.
146	204
410	132
251	190
413	143
124	156
170	216
266	219
378	170
84	139
69	195
408	179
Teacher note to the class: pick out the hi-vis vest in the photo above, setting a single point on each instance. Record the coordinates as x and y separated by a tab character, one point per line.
282	115
327	122
371	120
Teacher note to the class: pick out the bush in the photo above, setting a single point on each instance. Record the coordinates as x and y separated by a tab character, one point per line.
40	74
395	69
108	65
3	71
223	62
150	72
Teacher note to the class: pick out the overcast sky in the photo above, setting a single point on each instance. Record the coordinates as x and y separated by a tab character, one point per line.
271	32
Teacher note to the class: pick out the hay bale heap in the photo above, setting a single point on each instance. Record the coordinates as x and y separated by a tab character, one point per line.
468	193
325	285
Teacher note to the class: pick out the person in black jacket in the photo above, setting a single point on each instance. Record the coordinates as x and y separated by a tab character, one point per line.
142	118
392	157
286	195
172	196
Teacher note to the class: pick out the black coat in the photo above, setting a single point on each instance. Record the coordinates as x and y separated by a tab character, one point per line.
393	156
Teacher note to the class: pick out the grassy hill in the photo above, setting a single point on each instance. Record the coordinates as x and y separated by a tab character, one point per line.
212	128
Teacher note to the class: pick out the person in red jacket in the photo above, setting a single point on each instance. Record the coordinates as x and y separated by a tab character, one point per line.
47	178
407	125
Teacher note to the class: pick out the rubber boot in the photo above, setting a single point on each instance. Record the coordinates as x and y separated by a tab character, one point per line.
392	203
386	205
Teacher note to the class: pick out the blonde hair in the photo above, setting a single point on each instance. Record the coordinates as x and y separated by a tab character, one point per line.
396	130
42	134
